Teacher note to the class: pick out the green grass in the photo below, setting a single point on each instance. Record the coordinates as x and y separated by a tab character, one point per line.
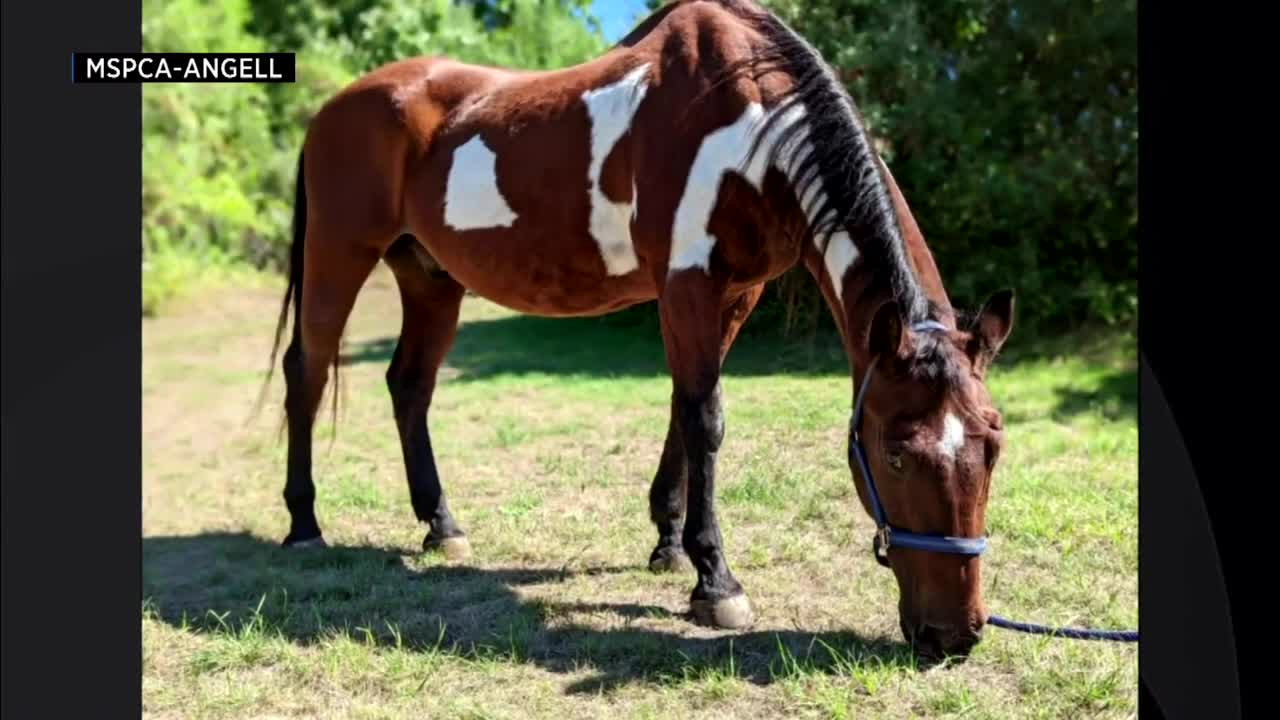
547	434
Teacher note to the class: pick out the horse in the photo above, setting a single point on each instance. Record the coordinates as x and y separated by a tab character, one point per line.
706	153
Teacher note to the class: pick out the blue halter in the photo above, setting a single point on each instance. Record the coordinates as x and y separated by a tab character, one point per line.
886	535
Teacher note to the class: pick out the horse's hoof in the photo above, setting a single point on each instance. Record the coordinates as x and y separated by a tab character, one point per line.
668	559
731	613
454	547
315	542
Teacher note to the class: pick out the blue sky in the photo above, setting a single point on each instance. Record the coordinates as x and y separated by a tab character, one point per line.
618	16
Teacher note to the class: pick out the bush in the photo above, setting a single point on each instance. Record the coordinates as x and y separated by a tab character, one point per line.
209	198
1012	129
219	160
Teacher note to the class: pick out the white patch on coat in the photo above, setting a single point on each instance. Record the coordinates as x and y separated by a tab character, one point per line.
721	151
841	252
840	255
952	436
725	150
472	199
611	109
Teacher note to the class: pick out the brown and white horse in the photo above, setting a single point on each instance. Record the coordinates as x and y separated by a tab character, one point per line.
708	152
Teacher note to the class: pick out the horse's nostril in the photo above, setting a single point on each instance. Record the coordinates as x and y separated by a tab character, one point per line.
927	641
963	643
960	642
934	642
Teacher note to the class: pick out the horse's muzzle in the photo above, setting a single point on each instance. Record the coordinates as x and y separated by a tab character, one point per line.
934	642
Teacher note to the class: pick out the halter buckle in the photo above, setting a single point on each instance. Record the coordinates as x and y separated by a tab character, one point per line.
880	546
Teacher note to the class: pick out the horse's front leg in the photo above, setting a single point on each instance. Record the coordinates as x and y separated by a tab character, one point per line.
667	494
690	309
667	500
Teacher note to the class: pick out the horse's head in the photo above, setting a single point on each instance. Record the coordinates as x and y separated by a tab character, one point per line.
928	432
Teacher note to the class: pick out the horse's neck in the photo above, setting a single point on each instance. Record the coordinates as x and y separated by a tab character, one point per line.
866	288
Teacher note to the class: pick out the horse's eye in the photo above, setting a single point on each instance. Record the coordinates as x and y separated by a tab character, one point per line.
895	459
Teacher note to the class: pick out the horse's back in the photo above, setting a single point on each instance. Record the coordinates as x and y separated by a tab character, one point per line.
521	168
548	191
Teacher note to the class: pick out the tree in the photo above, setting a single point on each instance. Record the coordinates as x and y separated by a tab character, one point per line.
219	160
1012	129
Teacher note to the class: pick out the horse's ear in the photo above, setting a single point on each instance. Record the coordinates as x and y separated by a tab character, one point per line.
990	329
886	336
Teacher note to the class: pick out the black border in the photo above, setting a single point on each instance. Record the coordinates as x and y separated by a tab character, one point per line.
71	456
1200	471
72	392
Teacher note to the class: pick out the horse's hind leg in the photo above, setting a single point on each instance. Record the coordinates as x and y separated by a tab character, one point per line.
431	300
667	494
347	212
334	272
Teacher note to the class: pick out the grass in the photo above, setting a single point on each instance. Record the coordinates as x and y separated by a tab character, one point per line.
547	434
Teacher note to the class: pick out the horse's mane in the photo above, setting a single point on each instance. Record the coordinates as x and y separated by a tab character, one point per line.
843	166
840	175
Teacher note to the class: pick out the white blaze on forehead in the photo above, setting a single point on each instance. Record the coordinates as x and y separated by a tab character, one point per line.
952	436
725	150
472	199
611	109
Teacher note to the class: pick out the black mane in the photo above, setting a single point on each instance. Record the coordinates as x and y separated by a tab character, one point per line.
843	164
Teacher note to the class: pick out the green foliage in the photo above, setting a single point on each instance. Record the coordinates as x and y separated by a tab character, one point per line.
219	161
1012	129
208	197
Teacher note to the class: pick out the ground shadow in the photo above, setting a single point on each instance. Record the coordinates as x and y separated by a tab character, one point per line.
1115	397
221	582
605	346
630	344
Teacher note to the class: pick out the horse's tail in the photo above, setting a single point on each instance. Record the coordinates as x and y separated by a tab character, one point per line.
293	290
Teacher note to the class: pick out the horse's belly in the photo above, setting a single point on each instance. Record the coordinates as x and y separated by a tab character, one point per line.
538	273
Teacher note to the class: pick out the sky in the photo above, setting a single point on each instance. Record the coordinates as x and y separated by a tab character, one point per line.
618	16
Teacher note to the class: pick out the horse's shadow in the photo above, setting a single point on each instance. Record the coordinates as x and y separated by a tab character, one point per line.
223	582
605	346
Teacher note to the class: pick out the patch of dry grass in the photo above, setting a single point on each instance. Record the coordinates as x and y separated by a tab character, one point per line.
547	434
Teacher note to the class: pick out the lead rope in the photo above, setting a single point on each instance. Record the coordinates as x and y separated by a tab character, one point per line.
885	534
1066	632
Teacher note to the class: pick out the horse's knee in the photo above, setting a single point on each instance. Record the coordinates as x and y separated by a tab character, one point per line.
702	418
